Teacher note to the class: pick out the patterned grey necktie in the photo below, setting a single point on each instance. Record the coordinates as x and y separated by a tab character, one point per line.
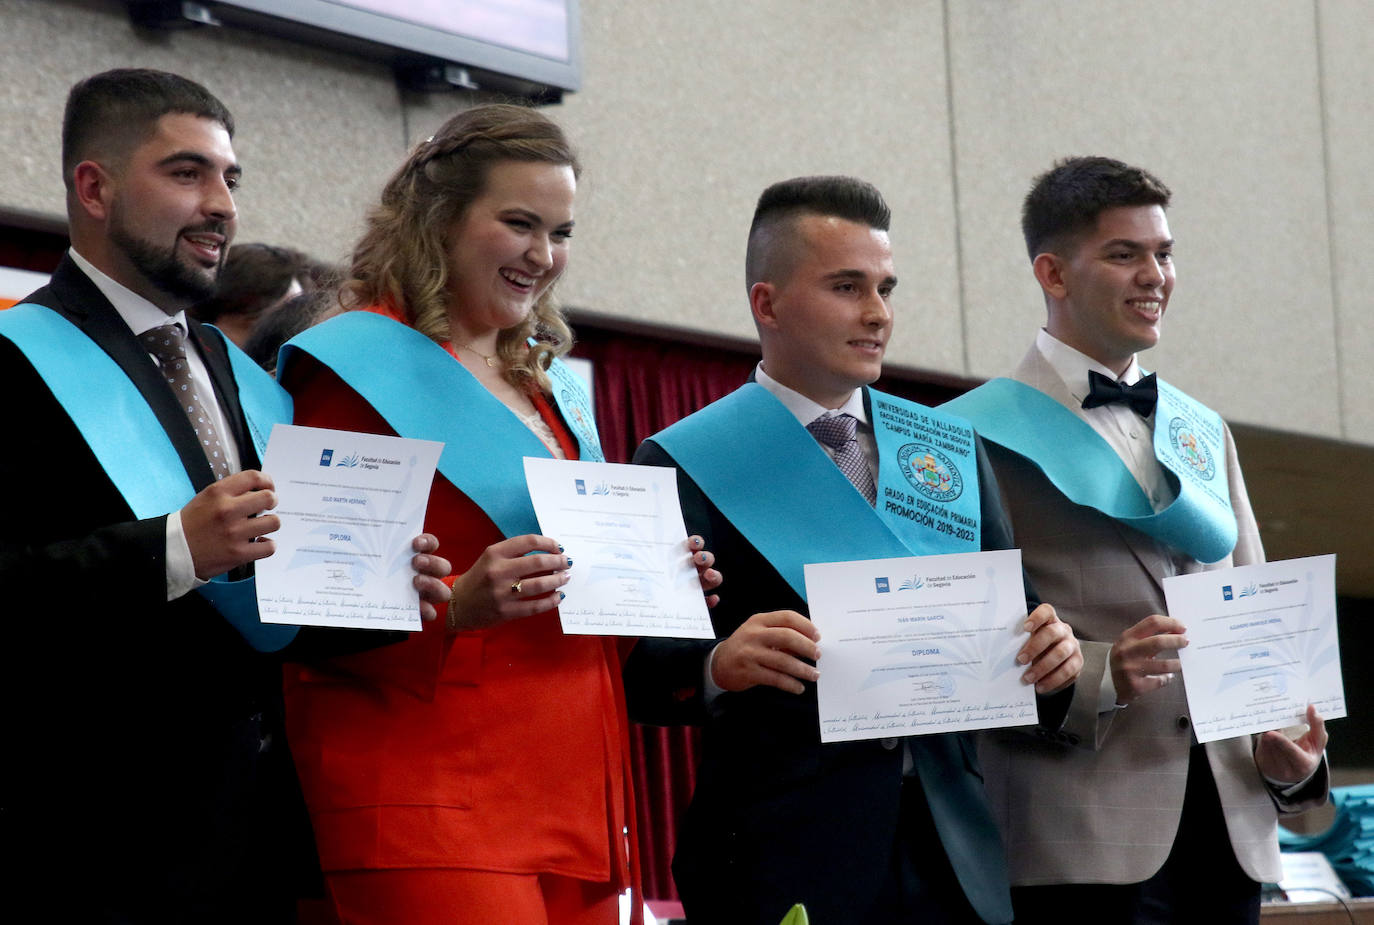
168	344
838	432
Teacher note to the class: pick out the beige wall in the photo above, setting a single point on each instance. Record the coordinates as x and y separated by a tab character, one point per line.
1254	111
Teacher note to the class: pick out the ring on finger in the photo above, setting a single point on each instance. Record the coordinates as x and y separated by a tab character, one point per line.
515	586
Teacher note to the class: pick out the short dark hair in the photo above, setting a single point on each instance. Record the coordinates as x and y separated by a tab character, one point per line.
110	113
782	203
279	324
1066	200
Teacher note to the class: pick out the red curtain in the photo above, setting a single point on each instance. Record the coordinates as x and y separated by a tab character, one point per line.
642	385
26	249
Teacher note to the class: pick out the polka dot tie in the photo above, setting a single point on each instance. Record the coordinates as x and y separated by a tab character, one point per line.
168	344
838	432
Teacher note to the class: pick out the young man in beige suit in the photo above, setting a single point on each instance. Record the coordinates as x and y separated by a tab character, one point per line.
1132	820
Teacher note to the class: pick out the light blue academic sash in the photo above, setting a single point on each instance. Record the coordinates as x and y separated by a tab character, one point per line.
1189	441
770	478
112	415
421	391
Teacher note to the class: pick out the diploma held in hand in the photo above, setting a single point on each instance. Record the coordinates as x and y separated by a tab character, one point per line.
350	505
1261	645
920	645
632	573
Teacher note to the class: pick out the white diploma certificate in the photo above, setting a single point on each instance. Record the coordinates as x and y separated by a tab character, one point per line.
1261	645
350	506
920	645
632	574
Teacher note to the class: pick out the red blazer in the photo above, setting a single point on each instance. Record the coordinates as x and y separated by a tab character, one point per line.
502	750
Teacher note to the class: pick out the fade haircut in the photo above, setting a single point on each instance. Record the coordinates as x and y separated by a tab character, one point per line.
1065	201
772	235
111	113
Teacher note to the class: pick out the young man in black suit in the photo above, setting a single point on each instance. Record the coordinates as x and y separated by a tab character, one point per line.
883	830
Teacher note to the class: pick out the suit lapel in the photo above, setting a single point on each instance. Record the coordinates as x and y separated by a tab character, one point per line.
1036	372
82	303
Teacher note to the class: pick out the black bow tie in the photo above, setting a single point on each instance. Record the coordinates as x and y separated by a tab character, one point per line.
1103	390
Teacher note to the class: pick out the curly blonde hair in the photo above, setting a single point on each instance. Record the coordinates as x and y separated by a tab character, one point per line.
402	257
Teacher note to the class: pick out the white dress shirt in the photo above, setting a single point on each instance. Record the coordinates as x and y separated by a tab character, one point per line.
1127	433
141	316
805	411
1130	435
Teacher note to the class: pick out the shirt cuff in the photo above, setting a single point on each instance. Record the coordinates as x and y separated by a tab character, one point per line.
1284	789
1106	694
710	690
181	568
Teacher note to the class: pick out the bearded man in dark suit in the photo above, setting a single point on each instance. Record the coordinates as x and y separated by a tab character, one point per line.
147	777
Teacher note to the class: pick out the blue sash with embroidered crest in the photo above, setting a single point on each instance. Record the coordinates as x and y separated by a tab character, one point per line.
423	392
774	483
112	416
1189	441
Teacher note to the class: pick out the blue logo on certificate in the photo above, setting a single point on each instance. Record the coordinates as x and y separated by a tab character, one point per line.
1226	594
914	583
883	586
581	486
325	457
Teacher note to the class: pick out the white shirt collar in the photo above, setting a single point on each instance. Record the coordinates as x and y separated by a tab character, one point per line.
804	409
1073	366
138	313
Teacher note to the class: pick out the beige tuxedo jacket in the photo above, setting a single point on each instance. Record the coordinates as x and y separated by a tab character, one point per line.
1101	802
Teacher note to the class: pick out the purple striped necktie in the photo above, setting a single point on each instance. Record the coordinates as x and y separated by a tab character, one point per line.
838	431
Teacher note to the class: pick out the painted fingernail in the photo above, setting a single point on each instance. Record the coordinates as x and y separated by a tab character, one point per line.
696	542
562	596
569	563
560	548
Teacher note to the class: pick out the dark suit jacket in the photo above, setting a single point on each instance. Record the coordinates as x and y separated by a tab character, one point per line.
145	757
778	818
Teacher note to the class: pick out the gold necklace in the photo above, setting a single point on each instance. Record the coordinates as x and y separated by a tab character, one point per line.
491	360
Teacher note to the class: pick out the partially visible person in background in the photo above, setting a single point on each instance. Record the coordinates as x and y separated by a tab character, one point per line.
279	324
257	278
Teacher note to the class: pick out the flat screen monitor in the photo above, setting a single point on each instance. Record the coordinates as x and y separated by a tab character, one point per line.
530	47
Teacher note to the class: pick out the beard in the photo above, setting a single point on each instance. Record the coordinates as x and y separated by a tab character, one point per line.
163	269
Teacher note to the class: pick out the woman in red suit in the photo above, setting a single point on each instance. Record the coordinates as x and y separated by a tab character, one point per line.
479	770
